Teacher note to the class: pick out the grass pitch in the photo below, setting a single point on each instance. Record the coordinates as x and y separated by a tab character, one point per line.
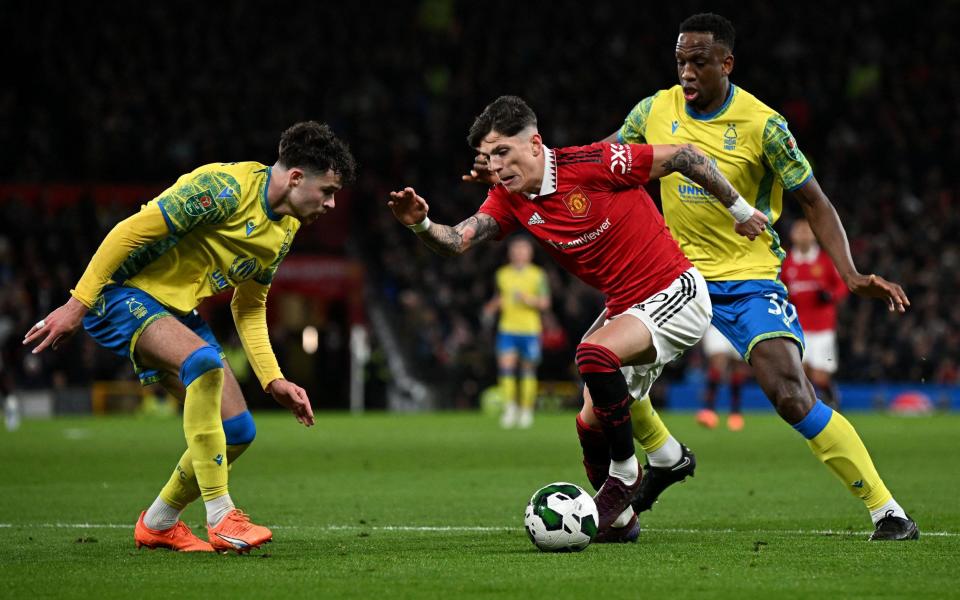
432	506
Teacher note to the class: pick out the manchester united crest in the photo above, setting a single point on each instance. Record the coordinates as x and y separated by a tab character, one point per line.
577	203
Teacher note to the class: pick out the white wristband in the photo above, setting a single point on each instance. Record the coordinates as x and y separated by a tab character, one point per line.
741	210
421	226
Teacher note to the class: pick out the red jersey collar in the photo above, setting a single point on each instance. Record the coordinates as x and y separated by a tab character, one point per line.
549	183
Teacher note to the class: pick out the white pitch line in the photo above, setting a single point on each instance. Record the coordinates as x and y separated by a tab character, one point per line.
481	529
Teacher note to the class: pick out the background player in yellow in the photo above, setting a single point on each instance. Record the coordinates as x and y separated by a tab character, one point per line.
222	226
753	147
522	295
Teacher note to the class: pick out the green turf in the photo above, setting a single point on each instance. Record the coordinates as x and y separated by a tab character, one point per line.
756	520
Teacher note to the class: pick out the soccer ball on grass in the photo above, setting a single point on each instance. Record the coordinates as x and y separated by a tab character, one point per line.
561	517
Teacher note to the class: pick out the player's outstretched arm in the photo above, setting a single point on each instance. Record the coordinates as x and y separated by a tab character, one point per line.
144	227
688	160
411	210
294	398
826	225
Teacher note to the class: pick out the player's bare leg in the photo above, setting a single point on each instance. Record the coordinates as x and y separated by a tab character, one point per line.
831	437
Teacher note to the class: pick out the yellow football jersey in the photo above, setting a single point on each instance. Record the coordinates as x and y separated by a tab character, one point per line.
515	316
753	148
222	233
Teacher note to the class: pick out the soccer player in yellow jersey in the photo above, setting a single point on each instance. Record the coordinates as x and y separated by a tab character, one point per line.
222	226
522	294
754	149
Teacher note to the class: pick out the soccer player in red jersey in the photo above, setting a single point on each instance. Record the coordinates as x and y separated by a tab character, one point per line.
585	206
815	288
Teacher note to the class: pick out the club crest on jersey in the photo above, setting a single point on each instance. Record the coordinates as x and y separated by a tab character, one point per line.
199	204
730	137
577	203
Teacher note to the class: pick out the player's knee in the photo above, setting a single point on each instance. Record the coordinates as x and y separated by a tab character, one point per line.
202	360
600	369
792	399
593	358
587	418
240	429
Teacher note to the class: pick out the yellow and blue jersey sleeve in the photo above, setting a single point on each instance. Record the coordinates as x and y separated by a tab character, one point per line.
249	308
144	229
781	153
634	128
203	198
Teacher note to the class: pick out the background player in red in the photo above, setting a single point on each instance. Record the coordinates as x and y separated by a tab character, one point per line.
586	208
815	287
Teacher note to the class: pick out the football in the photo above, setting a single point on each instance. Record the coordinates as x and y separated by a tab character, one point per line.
561	517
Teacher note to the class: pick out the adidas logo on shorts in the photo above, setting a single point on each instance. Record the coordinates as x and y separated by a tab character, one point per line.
536	219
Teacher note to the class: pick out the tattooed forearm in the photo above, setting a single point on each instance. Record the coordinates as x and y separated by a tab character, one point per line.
450	241
442	239
694	164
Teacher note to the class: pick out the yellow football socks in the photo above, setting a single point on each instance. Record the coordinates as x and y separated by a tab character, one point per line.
528	391
202	376
508	387
648	429
840	448
182	488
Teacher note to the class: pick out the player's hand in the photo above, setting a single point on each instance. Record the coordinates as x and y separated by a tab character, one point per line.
874	286
753	226
408	207
294	398
57	327
481	173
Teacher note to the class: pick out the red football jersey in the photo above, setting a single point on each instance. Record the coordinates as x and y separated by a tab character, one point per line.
809	278
593	217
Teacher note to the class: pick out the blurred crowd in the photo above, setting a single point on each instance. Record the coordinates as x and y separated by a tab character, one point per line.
109	92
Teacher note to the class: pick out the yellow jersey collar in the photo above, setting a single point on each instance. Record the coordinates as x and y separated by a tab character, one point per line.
713	115
263	199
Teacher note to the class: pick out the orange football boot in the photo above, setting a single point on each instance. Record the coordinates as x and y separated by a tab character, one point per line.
179	538
236	532
735	422
707	418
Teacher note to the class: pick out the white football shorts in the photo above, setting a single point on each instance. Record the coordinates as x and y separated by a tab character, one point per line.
677	318
715	343
821	350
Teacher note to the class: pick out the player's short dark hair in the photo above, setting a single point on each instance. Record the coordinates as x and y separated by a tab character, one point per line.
508	115
312	146
721	28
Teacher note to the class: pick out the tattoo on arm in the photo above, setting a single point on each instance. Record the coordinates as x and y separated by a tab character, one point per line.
450	241
694	164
